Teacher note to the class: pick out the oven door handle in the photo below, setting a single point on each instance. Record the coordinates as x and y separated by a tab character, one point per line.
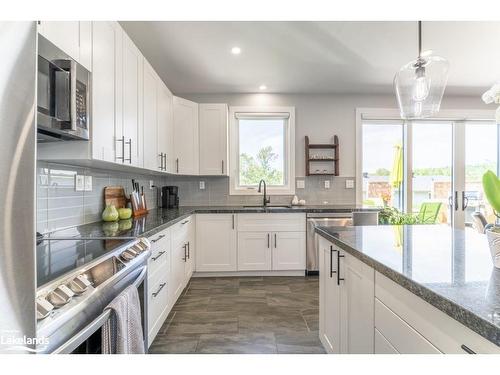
92	327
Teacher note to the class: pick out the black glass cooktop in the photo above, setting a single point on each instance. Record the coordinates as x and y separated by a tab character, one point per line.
57	257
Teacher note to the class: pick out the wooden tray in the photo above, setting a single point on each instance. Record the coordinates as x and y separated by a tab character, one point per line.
115	195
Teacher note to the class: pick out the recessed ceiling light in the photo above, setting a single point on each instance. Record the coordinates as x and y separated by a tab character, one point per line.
236	50
262	87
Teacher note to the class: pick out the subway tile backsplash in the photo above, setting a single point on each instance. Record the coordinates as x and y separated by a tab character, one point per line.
60	206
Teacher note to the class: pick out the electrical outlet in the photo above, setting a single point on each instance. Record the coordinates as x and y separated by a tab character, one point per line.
79	182
301	184
327	184
349	184
202	185
88	183
151	184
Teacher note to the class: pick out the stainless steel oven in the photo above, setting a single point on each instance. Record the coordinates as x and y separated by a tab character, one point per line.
63	94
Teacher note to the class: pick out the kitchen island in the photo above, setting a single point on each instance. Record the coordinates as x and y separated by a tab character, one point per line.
450	269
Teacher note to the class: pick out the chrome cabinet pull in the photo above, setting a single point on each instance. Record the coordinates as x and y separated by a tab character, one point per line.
122	158
185	222
129	151
161	161
159	290
467	349
185	255
158	256
189	251
159	238
165	162
339	279
465	201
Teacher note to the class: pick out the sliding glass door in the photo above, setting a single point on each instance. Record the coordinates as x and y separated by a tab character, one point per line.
430	168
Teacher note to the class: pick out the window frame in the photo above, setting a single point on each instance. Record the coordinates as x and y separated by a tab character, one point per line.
288	157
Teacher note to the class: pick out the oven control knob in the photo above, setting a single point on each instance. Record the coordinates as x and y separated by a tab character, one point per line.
43	308
60	296
79	284
128	254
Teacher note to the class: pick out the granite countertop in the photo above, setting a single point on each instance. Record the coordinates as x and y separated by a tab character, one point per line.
159	219
449	268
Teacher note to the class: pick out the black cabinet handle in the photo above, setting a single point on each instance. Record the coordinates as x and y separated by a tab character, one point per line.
177	165
222	166
268	240
332	250
159	289
233	221
275	241
158	256
456	200
339	279
467	349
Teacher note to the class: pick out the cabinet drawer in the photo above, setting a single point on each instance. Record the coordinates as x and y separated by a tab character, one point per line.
399	334
160	249
294	222
181	230
157	302
382	346
444	332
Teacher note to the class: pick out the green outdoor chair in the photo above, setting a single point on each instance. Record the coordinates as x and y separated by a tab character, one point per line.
429	212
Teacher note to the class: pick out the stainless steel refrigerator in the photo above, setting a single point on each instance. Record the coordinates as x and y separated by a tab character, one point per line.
17	186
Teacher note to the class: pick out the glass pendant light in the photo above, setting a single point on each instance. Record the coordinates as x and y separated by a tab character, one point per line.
420	84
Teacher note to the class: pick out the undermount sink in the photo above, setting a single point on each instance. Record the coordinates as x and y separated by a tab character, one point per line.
268	206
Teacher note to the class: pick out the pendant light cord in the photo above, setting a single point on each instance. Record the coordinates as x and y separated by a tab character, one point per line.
419	39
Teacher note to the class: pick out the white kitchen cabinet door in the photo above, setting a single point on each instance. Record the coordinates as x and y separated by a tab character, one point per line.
186	149
216	244
357	305
103	91
177	273
289	251
132	102
165	142
64	34
152	160
254	251
329	301
213	128
191	251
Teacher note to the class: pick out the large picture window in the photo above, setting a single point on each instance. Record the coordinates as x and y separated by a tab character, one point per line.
262	148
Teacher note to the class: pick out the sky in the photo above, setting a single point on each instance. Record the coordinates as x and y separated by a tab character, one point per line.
257	134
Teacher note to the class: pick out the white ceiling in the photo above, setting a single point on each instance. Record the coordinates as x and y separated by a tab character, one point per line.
313	57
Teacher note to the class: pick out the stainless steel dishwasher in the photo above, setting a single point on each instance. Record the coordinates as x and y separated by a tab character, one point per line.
321	219
332	220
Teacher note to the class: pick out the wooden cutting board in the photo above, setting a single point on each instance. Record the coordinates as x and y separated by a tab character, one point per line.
115	195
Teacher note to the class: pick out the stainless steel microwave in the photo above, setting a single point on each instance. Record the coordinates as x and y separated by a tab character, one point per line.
63	95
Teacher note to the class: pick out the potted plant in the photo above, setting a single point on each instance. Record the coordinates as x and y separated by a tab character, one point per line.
491	187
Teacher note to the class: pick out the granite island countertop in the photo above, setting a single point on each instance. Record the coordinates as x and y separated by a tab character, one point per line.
159	219
449	268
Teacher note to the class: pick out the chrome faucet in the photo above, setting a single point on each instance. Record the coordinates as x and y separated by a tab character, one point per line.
266	200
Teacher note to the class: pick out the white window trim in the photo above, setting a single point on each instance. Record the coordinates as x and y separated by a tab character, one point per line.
289	157
455	115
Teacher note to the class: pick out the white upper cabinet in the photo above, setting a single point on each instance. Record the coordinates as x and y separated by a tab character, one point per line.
132	102
185	137
150	119
103	91
73	37
213	139
165	142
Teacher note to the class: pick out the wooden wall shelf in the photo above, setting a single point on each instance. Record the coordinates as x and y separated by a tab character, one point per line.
323	146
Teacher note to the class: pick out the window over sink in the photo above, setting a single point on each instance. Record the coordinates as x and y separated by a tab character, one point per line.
262	147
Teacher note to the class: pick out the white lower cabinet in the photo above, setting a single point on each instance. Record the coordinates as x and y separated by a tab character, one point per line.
254	251
216	245
346	301
183	254
159	267
289	251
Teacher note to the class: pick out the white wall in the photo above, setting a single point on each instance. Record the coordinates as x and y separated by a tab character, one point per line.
322	116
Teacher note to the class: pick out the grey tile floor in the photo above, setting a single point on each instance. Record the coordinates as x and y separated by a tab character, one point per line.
243	315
